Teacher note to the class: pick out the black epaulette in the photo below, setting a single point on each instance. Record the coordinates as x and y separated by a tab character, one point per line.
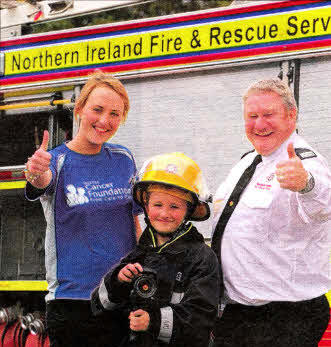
244	155
304	153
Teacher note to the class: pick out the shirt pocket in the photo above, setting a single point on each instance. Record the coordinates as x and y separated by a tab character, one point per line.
256	207
257	198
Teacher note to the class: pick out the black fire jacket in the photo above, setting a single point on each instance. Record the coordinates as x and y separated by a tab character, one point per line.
183	309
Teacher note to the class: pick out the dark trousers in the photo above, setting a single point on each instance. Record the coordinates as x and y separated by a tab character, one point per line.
277	324
70	323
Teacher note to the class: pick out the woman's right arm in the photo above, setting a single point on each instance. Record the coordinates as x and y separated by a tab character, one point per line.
37	171
138	227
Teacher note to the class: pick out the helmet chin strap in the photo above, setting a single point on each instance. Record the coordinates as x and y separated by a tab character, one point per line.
172	234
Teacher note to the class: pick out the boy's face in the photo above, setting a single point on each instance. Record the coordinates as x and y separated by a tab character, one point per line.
166	212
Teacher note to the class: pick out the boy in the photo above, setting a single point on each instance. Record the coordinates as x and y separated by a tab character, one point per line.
182	310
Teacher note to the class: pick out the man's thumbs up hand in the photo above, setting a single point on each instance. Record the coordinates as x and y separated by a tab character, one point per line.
290	173
291	151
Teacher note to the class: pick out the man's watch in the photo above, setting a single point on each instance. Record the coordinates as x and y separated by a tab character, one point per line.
310	184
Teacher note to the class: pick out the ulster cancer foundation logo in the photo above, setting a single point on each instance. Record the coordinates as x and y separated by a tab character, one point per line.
76	196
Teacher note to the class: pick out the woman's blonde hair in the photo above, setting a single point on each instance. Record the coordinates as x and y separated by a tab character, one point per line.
100	79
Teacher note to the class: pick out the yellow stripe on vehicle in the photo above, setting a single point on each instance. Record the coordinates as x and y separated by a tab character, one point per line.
23	285
187	38
34	104
12	185
328	295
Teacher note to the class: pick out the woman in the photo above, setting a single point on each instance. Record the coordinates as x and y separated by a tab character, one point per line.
85	189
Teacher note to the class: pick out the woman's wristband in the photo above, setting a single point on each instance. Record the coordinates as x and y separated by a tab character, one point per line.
30	176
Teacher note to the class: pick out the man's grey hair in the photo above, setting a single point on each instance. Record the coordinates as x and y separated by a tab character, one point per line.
274	85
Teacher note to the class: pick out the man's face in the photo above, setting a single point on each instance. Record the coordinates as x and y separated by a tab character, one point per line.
268	122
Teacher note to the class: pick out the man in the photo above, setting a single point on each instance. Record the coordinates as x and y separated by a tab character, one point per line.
272	231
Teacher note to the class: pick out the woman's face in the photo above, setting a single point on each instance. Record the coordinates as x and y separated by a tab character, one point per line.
100	117
166	212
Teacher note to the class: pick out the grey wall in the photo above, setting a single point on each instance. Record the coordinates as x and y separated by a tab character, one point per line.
198	113
315	104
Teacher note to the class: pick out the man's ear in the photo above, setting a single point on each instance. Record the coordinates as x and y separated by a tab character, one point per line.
292	113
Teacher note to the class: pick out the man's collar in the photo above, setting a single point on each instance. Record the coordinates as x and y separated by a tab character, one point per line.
281	150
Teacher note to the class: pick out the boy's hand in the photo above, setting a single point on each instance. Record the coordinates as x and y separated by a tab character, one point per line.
139	320
129	271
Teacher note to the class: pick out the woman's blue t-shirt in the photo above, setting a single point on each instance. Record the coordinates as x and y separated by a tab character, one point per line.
89	211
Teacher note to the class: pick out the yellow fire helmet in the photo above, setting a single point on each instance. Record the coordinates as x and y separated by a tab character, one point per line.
178	171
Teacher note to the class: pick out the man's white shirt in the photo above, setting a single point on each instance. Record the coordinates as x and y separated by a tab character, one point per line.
276	245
